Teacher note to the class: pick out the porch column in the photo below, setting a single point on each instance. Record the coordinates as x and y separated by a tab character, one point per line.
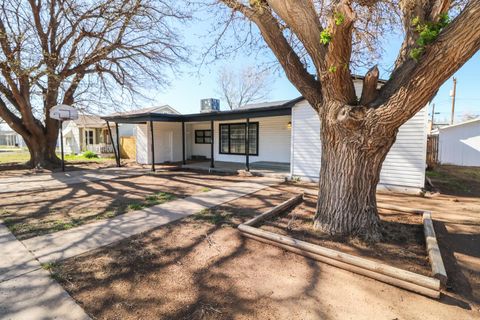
212	161
247	145
118	142
117	157
152	146
183	143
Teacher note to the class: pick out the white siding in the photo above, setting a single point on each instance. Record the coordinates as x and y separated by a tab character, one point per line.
273	144
168	142
460	145
404	166
192	148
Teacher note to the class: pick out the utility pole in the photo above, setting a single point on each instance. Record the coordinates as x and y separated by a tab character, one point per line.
433	113
452	94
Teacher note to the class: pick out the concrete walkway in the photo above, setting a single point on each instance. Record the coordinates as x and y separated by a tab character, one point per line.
46	181
28	292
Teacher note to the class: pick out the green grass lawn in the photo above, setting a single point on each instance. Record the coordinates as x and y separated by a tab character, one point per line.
20	156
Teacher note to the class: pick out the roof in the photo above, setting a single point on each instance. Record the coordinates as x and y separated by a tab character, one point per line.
461	124
266	109
90	121
164	109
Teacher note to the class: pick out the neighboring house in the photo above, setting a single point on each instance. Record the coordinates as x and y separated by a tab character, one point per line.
11	138
90	132
459	144
283	133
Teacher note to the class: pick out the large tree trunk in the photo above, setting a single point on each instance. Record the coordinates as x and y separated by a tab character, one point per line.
42	151
350	168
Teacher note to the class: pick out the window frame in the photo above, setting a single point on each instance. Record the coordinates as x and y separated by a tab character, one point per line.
257	124
203	136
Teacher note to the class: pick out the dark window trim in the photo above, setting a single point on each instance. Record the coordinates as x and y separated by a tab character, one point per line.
236	123
202	136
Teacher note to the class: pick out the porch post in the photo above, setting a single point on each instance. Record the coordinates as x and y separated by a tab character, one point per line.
117	158
118	143
247	145
212	161
183	143
152	145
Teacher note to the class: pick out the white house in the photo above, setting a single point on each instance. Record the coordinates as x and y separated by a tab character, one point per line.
459	144
284	135
90	132
11	139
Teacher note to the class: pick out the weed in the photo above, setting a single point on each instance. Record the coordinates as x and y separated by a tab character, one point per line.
216	217
48	266
135	206
205	189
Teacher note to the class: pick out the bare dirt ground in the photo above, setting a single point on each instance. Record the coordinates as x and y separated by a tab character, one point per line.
202	268
31	213
402	246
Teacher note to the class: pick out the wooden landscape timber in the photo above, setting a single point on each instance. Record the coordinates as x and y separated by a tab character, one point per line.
438	268
428	286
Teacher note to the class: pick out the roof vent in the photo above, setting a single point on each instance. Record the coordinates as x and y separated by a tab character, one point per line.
209	105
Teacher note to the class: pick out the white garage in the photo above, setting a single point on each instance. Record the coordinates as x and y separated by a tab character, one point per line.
459	144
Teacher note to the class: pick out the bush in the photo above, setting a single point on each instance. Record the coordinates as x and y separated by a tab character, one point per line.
90	154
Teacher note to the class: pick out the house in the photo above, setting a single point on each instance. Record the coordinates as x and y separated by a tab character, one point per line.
11	139
459	144
283	136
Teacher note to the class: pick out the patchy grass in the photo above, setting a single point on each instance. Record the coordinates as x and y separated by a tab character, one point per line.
462	181
14	156
151	200
49	266
214	216
205	189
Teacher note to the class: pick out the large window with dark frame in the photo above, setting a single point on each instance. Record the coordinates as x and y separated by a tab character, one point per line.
233	138
203	136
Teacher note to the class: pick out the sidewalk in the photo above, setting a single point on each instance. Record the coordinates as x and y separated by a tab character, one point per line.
46	181
28	292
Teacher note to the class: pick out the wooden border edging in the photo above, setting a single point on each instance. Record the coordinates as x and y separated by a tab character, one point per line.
425	285
277	209
438	269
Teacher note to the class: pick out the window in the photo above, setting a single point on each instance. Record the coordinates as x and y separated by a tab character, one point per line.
233	138
89	136
203	136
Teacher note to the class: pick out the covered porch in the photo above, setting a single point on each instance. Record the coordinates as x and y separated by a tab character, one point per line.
260	168
249	139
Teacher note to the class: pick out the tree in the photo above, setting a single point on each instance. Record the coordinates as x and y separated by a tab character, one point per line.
358	132
469	116
57	51
243	87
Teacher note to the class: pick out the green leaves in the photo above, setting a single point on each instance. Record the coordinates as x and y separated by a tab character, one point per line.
427	33
325	36
339	18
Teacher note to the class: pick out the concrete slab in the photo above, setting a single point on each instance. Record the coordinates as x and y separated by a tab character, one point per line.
16	259
69	243
40	182
36	296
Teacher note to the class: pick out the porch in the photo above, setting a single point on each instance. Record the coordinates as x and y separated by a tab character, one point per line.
259	168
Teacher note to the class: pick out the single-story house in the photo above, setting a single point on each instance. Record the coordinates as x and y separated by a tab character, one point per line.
90	133
282	135
459	144
11	139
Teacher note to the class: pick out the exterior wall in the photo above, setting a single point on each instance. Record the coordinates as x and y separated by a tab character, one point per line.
404	166
193	149
168	142
71	138
273	145
460	145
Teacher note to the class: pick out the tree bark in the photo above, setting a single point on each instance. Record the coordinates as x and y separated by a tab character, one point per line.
353	151
42	150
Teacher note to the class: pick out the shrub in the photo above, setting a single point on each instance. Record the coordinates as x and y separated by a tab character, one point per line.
90	154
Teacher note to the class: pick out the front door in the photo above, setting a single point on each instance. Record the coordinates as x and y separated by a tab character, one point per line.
89	135
165	150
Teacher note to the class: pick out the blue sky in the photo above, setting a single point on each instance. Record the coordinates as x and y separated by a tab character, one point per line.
191	84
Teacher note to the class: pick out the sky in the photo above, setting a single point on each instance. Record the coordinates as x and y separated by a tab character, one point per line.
192	84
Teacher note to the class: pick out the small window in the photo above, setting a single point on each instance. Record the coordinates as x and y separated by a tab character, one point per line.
203	136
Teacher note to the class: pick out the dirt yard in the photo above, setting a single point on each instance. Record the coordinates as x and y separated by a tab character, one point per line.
32	213
202	268
402	246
